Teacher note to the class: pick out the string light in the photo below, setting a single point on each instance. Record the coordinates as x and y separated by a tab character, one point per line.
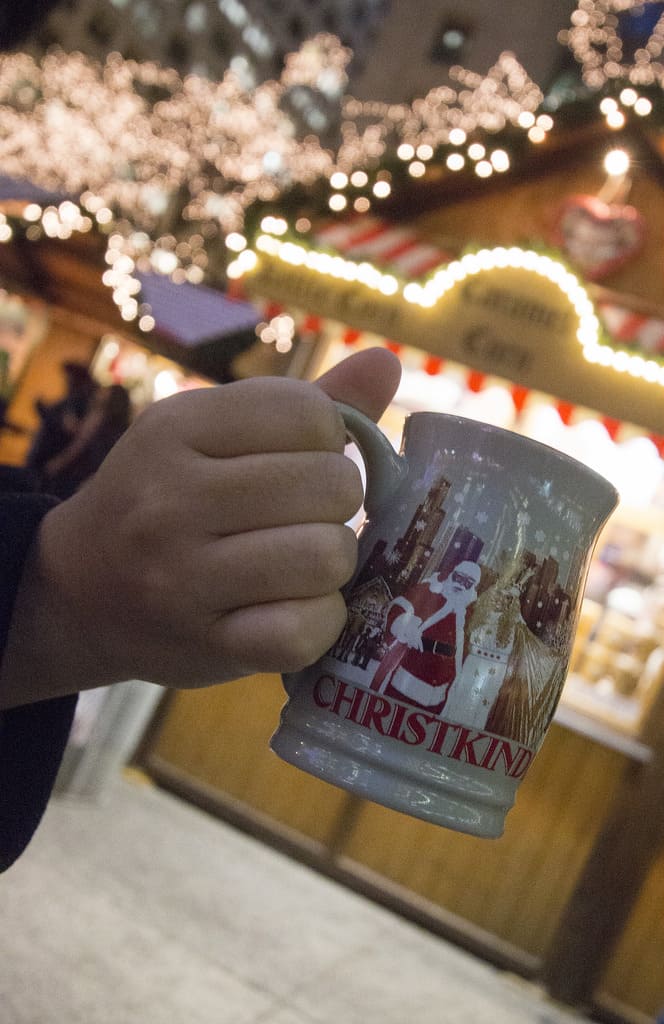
167	178
428	294
617	162
594	39
488	259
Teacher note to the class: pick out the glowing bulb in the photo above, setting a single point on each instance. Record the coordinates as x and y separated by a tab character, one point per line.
339	180
32	212
616	162
615	119
642	107
236	242
500	160
417	169
337	202
425	151
165	383
455	161
406	151
382	189
476	151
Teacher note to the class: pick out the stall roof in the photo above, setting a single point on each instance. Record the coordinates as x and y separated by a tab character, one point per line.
20	188
192	314
198	325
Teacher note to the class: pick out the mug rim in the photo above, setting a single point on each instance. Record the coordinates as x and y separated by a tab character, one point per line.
492	430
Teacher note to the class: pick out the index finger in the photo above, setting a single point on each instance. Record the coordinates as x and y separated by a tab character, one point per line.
261	414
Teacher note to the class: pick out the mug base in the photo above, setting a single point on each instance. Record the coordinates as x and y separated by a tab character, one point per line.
376	781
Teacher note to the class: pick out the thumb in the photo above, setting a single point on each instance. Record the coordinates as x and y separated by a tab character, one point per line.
367	380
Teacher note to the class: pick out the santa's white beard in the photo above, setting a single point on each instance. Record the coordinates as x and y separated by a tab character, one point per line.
455	600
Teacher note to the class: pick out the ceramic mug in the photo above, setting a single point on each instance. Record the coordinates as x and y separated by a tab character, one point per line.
461	615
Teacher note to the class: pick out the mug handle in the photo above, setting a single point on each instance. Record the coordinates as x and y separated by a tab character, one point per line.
385	468
385	472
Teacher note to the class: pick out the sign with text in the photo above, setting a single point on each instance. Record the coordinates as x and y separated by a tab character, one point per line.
516	322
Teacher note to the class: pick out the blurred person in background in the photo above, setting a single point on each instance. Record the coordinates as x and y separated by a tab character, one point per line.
60	420
107	418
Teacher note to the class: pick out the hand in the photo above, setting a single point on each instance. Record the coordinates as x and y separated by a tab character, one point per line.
210	544
407	629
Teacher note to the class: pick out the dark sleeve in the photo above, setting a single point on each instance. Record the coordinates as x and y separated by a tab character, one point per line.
33	737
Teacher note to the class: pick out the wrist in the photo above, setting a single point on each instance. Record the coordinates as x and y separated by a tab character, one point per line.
51	649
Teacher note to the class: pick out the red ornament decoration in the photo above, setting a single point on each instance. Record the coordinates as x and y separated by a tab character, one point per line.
312	324
235	289
599	237
612	426
273	309
433	365
519	396
394	346
351	336
475	380
658	441
565	410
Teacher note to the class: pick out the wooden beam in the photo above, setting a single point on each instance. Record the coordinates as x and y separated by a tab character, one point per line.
607	889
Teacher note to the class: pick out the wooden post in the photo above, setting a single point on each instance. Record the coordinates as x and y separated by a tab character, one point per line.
626	846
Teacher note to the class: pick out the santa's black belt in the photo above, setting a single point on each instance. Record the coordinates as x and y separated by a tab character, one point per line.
437	647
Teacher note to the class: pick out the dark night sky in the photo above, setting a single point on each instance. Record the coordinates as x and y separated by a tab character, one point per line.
18	18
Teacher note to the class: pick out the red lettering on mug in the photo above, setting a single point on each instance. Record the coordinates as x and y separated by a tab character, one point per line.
376	710
397	721
319	697
416	727
463	749
390	718
523	759
439	737
344	695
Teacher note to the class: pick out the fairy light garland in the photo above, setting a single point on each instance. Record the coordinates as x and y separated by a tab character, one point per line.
594	39
168	167
428	294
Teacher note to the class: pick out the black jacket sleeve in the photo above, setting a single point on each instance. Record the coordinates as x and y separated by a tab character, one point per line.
33	737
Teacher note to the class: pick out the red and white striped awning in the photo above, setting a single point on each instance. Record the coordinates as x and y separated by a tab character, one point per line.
634	329
385	245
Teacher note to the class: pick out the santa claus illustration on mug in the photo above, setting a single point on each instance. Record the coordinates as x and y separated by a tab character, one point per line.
425	631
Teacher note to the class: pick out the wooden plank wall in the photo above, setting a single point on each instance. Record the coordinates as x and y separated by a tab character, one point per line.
514	887
635	976
220	737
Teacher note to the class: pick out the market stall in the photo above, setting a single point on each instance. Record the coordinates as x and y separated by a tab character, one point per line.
507	245
512	332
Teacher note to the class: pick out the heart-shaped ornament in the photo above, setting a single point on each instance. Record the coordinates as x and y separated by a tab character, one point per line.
599	237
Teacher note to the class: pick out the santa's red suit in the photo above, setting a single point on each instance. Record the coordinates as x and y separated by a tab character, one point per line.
421	677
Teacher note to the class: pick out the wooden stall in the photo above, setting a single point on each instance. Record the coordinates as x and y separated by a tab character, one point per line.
570	896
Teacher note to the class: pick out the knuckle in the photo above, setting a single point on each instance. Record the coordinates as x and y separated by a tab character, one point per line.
344	484
306	637
334	557
316	417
